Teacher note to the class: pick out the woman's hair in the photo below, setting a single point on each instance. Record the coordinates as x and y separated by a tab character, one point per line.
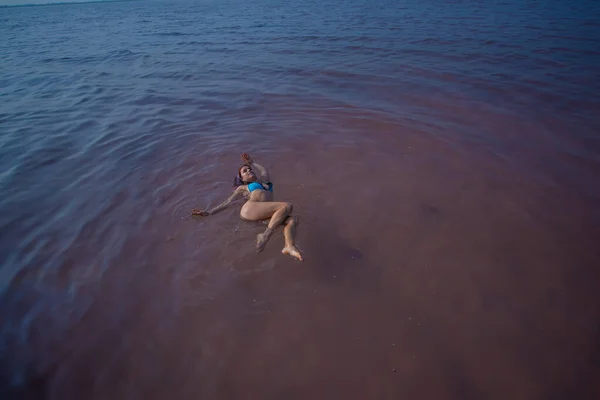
238	179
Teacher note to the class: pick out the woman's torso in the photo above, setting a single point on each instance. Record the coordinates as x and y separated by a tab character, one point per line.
258	195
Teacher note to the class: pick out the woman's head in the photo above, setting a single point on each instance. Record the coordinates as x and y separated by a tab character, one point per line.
245	175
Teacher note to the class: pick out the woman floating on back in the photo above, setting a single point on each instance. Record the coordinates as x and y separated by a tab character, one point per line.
259	206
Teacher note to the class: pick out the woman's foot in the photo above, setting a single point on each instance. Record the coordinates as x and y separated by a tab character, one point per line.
292	251
261	240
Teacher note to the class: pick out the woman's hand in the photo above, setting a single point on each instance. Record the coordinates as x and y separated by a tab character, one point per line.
200	212
247	159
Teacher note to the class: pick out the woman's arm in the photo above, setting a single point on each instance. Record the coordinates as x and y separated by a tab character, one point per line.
237	193
264	174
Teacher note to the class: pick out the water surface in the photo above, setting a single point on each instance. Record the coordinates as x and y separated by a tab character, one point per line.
443	158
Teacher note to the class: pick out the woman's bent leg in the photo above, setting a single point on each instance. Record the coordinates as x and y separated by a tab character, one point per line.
257	211
289	232
261	210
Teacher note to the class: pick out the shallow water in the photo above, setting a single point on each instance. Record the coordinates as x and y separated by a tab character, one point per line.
443	157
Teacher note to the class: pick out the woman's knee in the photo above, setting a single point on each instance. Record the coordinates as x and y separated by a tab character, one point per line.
291	220
289	207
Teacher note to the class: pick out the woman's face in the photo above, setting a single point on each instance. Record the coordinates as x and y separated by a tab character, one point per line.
247	174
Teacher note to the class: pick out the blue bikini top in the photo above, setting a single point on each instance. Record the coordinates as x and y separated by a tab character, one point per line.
257	185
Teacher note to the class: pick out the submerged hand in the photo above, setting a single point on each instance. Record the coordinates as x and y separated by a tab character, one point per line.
246	158
200	212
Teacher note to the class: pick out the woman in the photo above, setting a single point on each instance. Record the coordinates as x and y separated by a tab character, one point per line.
258	191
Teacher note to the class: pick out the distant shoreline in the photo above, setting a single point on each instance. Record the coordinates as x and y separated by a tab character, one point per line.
64	3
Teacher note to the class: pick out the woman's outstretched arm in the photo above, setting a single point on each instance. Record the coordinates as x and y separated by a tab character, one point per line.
237	193
264	174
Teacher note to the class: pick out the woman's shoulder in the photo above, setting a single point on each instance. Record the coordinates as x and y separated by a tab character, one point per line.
241	189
